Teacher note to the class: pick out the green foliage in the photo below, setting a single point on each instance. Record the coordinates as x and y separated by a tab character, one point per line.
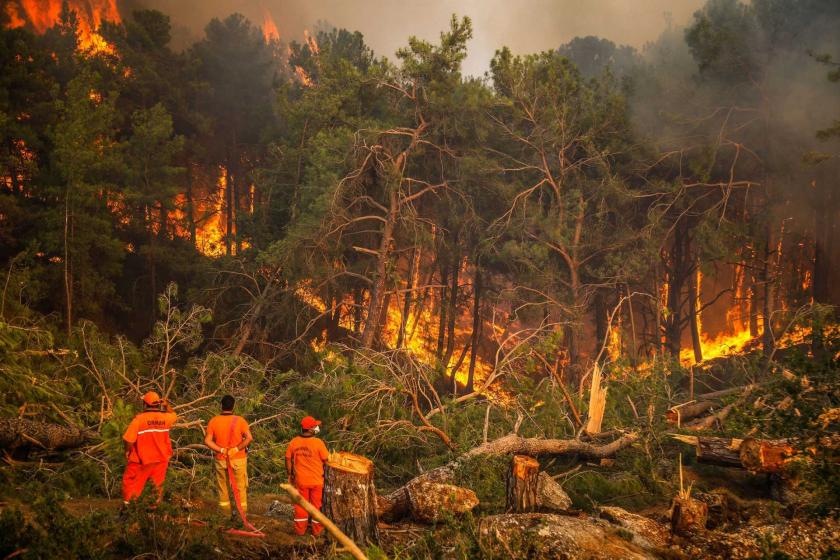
53	532
486	477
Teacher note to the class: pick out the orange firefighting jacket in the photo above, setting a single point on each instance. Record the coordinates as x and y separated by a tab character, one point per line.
308	455
220	427
149	432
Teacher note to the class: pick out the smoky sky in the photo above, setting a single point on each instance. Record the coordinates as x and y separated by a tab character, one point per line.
523	25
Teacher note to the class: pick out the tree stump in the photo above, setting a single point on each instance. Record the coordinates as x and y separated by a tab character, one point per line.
523	484
350	496
688	515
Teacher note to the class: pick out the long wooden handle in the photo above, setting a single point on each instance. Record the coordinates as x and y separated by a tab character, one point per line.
346	541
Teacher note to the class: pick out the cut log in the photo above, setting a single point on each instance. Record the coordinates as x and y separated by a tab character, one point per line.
767	456
551	536
23	433
550	495
688	515
755	455
684	412
350	496
716	451
522	484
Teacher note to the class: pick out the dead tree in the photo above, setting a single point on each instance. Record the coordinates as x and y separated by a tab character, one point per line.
350	496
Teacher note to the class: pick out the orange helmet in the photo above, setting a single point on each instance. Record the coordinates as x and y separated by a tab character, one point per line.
151	398
309	422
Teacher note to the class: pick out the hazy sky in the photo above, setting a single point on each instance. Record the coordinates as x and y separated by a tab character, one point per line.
523	25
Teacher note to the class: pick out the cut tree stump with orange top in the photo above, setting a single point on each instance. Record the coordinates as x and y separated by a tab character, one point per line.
522	484
350	496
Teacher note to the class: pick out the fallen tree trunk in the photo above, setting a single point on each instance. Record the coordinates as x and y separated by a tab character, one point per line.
551	496
23	433
711	420
680	413
538	446
718	417
755	455
522	484
426	501
350	496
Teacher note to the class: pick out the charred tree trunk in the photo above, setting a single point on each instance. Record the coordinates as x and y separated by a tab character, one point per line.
767	303
476	328
822	270
228	194
190	211
350	496
452	311
442	306
237	239
694	312
410	284
68	270
522	484
357	310
599	308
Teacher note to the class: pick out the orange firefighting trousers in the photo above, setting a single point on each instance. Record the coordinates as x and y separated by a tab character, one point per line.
136	475
313	495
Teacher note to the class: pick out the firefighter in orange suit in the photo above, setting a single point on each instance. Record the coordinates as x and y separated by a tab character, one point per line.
229	436
148	447
305	458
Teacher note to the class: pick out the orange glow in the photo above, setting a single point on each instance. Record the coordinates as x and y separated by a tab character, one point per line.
303	76
14	17
269	28
310	40
44	14
420	337
721	345
210	233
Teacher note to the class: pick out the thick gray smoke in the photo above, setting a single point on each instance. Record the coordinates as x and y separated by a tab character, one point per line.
523	25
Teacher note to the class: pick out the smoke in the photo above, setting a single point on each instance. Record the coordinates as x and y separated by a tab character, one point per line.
525	26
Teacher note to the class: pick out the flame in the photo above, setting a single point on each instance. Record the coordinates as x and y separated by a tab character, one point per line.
269	28
44	14
210	232
719	346
15	19
303	76
313	44
420	337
